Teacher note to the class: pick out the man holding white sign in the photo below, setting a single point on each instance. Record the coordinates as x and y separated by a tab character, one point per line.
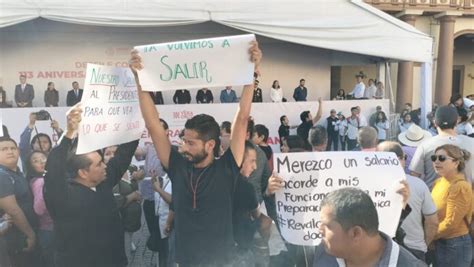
202	185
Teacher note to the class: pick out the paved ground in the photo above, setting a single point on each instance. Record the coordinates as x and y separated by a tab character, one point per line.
142	257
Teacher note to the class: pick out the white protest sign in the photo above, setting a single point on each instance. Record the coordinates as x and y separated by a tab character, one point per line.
309	177
197	63
111	114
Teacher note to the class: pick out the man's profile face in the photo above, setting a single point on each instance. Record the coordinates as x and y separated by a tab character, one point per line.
334	238
95	173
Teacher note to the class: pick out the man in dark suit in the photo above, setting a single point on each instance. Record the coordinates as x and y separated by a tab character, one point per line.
74	96
182	97
24	93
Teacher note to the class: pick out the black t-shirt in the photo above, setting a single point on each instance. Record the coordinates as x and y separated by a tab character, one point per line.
14	183
245	202
283	132
303	130
204	231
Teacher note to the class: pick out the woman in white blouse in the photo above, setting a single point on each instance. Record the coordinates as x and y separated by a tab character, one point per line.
276	93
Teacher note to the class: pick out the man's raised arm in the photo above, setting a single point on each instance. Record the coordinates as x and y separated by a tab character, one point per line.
150	115
319	113
239	126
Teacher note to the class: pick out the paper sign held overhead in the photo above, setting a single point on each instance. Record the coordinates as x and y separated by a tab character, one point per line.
199	63
309	177
111	112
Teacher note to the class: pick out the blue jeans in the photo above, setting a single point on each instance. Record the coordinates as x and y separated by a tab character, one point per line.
454	252
46	242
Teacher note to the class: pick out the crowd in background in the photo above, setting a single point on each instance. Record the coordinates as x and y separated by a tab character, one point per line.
202	199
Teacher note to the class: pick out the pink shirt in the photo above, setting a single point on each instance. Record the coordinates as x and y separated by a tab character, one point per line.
45	221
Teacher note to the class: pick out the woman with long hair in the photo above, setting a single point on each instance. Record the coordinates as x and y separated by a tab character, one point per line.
51	96
35	166
452	194
405	121
276	92
382	126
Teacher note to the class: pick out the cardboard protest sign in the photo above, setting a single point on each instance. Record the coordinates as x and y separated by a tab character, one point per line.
196	63
111	113
309	177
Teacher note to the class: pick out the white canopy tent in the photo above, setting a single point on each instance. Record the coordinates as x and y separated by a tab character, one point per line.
342	25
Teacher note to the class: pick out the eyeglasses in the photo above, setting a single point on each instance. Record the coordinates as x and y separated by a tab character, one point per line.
441	158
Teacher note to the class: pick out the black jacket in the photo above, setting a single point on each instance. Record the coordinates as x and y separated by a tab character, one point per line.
87	223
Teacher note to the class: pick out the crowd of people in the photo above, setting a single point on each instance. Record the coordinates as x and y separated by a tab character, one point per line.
202	199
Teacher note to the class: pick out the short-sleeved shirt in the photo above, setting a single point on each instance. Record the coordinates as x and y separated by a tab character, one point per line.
303	130
14	183
245	201
421	204
422	164
283	132
204	223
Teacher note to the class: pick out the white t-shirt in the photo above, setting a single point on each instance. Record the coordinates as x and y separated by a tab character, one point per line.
421	204
358	91
161	207
464	128
370	92
276	94
382	128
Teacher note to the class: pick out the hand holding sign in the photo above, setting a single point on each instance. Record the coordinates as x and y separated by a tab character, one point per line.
74	117
309	177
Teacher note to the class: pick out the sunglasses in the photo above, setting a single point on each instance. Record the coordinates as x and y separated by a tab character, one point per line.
441	158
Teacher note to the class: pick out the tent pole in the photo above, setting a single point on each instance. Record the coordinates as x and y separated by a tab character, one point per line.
426	92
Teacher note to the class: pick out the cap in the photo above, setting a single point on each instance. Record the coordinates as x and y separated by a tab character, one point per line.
339	113
446	116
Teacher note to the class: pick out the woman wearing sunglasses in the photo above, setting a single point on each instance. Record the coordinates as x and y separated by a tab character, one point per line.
452	195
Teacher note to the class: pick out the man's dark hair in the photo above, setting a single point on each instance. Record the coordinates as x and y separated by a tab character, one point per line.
5	131
295	142
282	118
38	136
74	82
318	136
353	108
8	139
454	98
353	207
260	129
226	126
250	127
207	129
249	146
165	124
304	115
302	80
75	162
